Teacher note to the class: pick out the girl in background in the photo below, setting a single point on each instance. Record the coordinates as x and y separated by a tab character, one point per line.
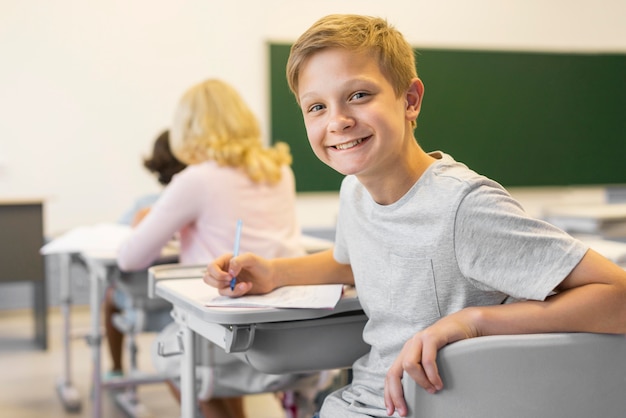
164	166
230	175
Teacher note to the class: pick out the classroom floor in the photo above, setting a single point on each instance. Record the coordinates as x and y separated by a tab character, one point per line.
28	375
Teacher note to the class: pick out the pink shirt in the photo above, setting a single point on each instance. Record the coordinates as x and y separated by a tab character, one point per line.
202	204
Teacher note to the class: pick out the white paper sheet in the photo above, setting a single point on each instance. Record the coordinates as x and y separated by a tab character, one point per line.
310	296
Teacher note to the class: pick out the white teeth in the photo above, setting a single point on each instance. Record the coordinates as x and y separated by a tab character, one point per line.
348	145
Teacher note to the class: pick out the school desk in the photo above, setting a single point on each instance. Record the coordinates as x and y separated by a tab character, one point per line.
94	247
272	340
21	236
103	270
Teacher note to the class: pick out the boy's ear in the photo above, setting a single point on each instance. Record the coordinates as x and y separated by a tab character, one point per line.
413	97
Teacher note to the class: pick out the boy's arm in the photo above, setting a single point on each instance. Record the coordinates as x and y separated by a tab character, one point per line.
257	275
592	298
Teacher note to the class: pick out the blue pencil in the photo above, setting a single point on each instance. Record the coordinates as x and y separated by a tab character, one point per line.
233	281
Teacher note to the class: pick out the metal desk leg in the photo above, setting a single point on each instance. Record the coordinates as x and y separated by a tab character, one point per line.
66	390
95	337
187	369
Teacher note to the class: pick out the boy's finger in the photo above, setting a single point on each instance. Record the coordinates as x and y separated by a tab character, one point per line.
241	289
394	393
429	365
234	266
215	278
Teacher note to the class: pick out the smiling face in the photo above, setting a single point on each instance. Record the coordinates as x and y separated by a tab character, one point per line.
355	122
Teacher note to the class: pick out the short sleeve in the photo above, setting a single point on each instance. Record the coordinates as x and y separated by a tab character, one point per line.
498	246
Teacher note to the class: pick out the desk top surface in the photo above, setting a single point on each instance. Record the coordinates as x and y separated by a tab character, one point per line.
189	292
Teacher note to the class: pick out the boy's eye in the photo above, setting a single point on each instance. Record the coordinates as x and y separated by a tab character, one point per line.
358	95
315	108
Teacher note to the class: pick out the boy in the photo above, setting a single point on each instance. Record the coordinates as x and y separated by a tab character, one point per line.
433	248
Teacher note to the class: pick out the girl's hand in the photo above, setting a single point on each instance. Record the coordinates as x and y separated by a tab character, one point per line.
139	216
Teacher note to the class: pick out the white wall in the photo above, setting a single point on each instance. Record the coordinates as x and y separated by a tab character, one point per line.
86	86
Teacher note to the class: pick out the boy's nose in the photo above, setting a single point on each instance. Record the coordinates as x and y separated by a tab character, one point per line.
340	122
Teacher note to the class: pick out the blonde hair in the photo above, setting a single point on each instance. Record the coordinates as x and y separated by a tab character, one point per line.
212	122
359	34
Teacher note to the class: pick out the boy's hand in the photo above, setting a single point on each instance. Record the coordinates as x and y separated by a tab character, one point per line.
418	358
253	273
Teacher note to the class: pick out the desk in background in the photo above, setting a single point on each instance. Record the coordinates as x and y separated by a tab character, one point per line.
95	248
21	237
103	270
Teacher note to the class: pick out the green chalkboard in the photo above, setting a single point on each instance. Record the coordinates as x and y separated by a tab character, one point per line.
287	125
521	118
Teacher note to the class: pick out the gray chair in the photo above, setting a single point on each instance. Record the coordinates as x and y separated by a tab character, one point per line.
569	375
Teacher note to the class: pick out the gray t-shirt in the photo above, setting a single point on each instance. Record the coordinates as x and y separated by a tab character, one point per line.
456	239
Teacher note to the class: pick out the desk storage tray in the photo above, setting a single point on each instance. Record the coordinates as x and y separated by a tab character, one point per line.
332	342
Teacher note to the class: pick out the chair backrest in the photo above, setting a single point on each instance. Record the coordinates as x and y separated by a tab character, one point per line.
539	375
